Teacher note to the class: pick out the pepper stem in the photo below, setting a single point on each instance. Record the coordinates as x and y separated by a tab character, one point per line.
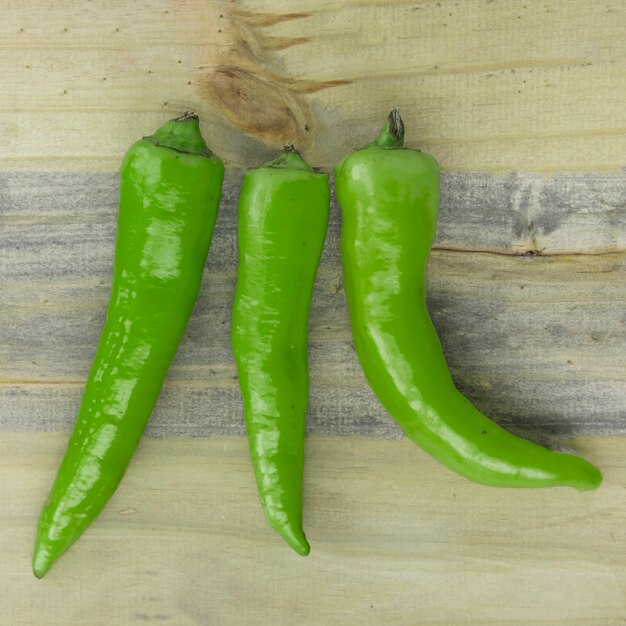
392	134
181	134
289	159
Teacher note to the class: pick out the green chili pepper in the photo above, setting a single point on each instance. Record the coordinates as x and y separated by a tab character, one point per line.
169	194
283	216
389	198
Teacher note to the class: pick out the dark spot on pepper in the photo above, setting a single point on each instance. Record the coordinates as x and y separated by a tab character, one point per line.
484	432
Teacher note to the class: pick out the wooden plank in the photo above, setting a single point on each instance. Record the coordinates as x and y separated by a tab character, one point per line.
396	539
525	285
484	85
526	288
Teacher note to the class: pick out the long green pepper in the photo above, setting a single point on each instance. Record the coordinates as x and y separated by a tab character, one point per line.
169	195
389	198
283	217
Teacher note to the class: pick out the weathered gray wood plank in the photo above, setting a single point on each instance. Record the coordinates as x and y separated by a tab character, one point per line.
526	288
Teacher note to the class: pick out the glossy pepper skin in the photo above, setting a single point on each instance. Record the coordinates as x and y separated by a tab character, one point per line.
169	194
283	217
389	198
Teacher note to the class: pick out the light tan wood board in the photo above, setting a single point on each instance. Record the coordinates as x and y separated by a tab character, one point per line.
396	539
484	85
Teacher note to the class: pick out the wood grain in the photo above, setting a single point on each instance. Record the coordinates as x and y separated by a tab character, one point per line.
526	286
486	85
396	539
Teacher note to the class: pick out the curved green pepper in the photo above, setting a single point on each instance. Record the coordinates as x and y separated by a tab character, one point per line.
283	216
389	198
170	190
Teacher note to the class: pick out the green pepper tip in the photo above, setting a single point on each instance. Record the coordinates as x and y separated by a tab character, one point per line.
42	561
591	476
294	536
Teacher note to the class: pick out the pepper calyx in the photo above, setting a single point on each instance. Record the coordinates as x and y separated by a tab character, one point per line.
289	159
181	134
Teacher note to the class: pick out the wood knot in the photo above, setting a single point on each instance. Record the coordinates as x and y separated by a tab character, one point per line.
256	106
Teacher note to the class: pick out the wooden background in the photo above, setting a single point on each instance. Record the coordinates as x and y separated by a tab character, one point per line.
523	105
